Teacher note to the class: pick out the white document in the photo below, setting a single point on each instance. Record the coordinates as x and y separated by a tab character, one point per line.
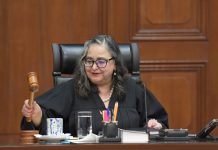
90	138
130	136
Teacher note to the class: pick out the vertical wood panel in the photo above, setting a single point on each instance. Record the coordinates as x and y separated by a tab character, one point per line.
28	30
23	44
71	21
117	20
179	86
4	65
168	19
167	11
212	102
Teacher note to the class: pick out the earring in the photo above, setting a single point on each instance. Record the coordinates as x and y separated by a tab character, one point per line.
115	73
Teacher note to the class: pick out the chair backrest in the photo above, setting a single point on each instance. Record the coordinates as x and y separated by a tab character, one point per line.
66	57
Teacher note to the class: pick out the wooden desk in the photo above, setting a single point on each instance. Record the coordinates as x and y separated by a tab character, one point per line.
12	142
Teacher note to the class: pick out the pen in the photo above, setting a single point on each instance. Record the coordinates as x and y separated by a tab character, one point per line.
115	111
108	115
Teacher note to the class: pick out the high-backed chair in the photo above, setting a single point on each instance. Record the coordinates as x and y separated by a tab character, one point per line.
66	57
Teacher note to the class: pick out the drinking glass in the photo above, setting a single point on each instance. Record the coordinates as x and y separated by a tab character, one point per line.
84	126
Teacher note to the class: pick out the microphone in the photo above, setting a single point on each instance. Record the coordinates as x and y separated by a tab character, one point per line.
146	104
146	107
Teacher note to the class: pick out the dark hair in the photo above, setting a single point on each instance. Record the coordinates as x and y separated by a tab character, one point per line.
83	86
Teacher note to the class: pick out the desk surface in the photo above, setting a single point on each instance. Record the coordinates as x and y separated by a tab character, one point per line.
13	142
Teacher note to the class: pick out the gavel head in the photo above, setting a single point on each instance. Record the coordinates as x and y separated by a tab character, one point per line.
33	82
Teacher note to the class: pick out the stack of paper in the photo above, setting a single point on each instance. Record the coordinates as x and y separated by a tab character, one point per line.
90	138
130	136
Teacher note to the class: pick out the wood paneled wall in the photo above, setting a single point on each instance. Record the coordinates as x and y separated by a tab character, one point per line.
178	49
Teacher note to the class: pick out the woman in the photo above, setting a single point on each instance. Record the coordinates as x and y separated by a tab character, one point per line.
101	80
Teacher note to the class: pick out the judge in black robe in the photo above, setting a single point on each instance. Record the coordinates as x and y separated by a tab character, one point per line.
63	102
99	70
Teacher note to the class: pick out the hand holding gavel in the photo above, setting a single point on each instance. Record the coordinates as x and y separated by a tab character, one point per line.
33	87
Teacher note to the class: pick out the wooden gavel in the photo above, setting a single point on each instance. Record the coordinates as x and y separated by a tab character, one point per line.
33	87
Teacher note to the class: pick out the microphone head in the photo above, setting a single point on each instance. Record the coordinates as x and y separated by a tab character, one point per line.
33	82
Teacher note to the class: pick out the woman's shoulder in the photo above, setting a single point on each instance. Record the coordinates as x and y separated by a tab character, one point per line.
133	84
59	90
70	82
63	87
132	81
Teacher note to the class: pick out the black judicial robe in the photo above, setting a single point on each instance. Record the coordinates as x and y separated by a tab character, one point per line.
62	101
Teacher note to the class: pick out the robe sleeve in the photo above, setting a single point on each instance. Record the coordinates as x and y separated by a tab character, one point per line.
149	107
155	110
140	103
56	103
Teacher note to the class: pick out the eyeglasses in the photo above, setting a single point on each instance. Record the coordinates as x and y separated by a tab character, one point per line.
100	62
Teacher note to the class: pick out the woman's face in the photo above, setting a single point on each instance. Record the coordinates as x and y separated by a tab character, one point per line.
99	73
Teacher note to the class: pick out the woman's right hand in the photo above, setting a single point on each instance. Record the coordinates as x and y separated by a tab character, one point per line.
34	112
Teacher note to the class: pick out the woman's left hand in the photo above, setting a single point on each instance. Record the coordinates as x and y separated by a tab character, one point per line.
153	123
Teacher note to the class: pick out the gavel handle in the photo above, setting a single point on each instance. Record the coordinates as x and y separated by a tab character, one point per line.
30	102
